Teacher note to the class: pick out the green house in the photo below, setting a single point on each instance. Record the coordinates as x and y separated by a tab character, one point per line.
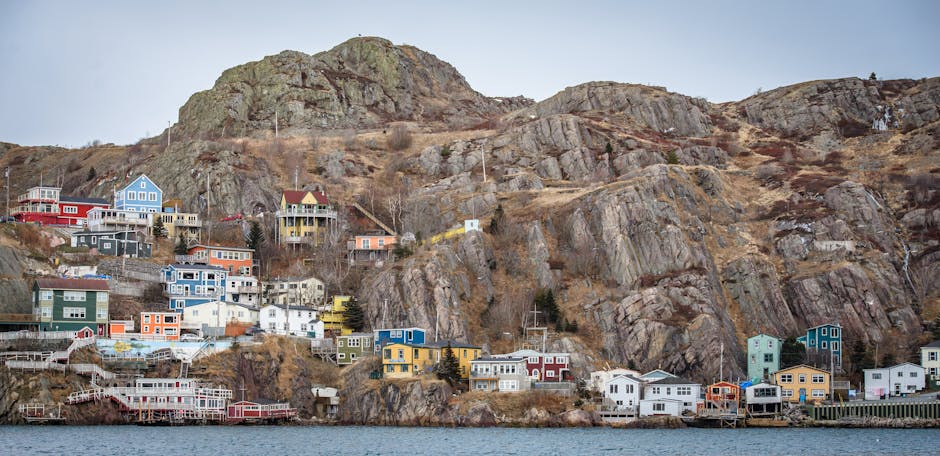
763	357
351	347
71	304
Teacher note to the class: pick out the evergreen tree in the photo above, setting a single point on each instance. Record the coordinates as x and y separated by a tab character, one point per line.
935	331
159	229
608	149
497	219
672	158
91	173
449	367
182	248
255	238
792	353
888	359
872	76
857	356
545	303
353	315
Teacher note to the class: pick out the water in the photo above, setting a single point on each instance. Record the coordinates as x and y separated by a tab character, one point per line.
364	440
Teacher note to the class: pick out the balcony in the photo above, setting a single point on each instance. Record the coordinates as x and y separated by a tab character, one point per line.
183	222
294	239
35	209
311	212
117	220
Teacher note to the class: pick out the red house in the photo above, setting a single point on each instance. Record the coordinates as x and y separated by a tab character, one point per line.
46	206
545	367
243	411
722	398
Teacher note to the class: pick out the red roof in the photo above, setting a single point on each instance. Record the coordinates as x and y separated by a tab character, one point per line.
73	284
296	196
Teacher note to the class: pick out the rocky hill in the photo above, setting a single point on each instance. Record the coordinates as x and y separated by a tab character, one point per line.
665	225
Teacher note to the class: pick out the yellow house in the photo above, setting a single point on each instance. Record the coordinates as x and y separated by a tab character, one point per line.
408	360
304	217
464	353
802	381
333	318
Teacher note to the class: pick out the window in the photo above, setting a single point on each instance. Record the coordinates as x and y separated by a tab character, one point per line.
272	313
931	356
613	389
819	378
561	360
549	373
46	295
835	345
143	184
549	360
834	332
153	196
106	245
69	209
659	407
365	243
764	392
46	312
387	353
73	296
146	329
756	343
146	318
786	378
819	393
684	390
341	356
131	196
768	357
404	368
802	378
656	390
401	353
770	343
786	393
102	296
900	374
381	243
824	331
824	345
914	374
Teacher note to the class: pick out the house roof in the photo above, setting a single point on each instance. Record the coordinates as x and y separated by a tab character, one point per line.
285	307
894	366
453	344
508	359
766	335
824	324
196	266
142	176
297	196
80	199
673	381
239	304
100	233
400	329
807	366
221	247
625	377
357	334
657	371
73	284
934	344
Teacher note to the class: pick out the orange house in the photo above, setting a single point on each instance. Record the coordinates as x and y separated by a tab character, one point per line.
236	260
160	325
371	247
722	398
118	328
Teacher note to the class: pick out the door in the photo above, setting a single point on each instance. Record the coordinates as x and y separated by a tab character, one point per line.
802	395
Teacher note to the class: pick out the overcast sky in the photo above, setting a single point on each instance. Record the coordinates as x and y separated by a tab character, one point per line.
117	71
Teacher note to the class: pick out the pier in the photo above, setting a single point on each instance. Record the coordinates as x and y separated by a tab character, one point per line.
923	410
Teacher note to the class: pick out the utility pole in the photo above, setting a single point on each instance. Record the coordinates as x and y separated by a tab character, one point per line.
721	363
208	212
275	124
169	127
483	157
8	190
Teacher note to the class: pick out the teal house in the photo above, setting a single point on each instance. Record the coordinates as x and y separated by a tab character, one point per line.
763	357
823	346
71	304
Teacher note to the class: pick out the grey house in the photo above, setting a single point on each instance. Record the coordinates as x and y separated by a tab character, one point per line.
114	243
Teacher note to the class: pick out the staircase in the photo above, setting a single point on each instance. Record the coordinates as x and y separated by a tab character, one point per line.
63	355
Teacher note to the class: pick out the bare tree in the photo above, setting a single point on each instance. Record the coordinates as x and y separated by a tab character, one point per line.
399	138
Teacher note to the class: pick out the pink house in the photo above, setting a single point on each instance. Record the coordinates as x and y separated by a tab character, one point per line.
371	248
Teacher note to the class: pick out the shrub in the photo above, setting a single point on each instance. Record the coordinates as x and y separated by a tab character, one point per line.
399	138
445	152
672	158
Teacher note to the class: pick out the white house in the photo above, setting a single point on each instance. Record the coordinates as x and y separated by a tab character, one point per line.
290	320
210	318
654	407
884	382
763	398
243	290
503	374
667	389
294	291
600	378
623	392
930	359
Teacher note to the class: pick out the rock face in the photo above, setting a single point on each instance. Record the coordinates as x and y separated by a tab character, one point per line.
362	83
14	292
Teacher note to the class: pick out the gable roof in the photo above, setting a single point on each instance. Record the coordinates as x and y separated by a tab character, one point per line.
297	196
497	359
453	344
142	176
807	366
894	366
625	377
220	247
934	344
673	381
765	335
79	199
73	284
835	325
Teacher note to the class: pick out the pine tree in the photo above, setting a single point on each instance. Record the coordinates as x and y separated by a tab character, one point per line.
545	303
91	173
497	219
608	149
182	248
449	367
857	356
353	315
159	229
255	238
792	353
935	331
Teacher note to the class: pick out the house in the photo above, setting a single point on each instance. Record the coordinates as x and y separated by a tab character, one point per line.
350	348
105	219
898	380
71	304
191	284
383	337
260	411
462	351
763	399
722	399
334	317
211	318
545	367
374	248
801	383
160	326
164	398
114	243
291	320
294	291
823	345
140	195
670	396
237	261
763	356
499	374
407	360
47	206
654	375
178	223
243	289
120	329
622	392
304	217
600	378
930	359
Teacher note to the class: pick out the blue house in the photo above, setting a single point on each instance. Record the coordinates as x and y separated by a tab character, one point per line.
383	337
141	195
823	344
191	284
